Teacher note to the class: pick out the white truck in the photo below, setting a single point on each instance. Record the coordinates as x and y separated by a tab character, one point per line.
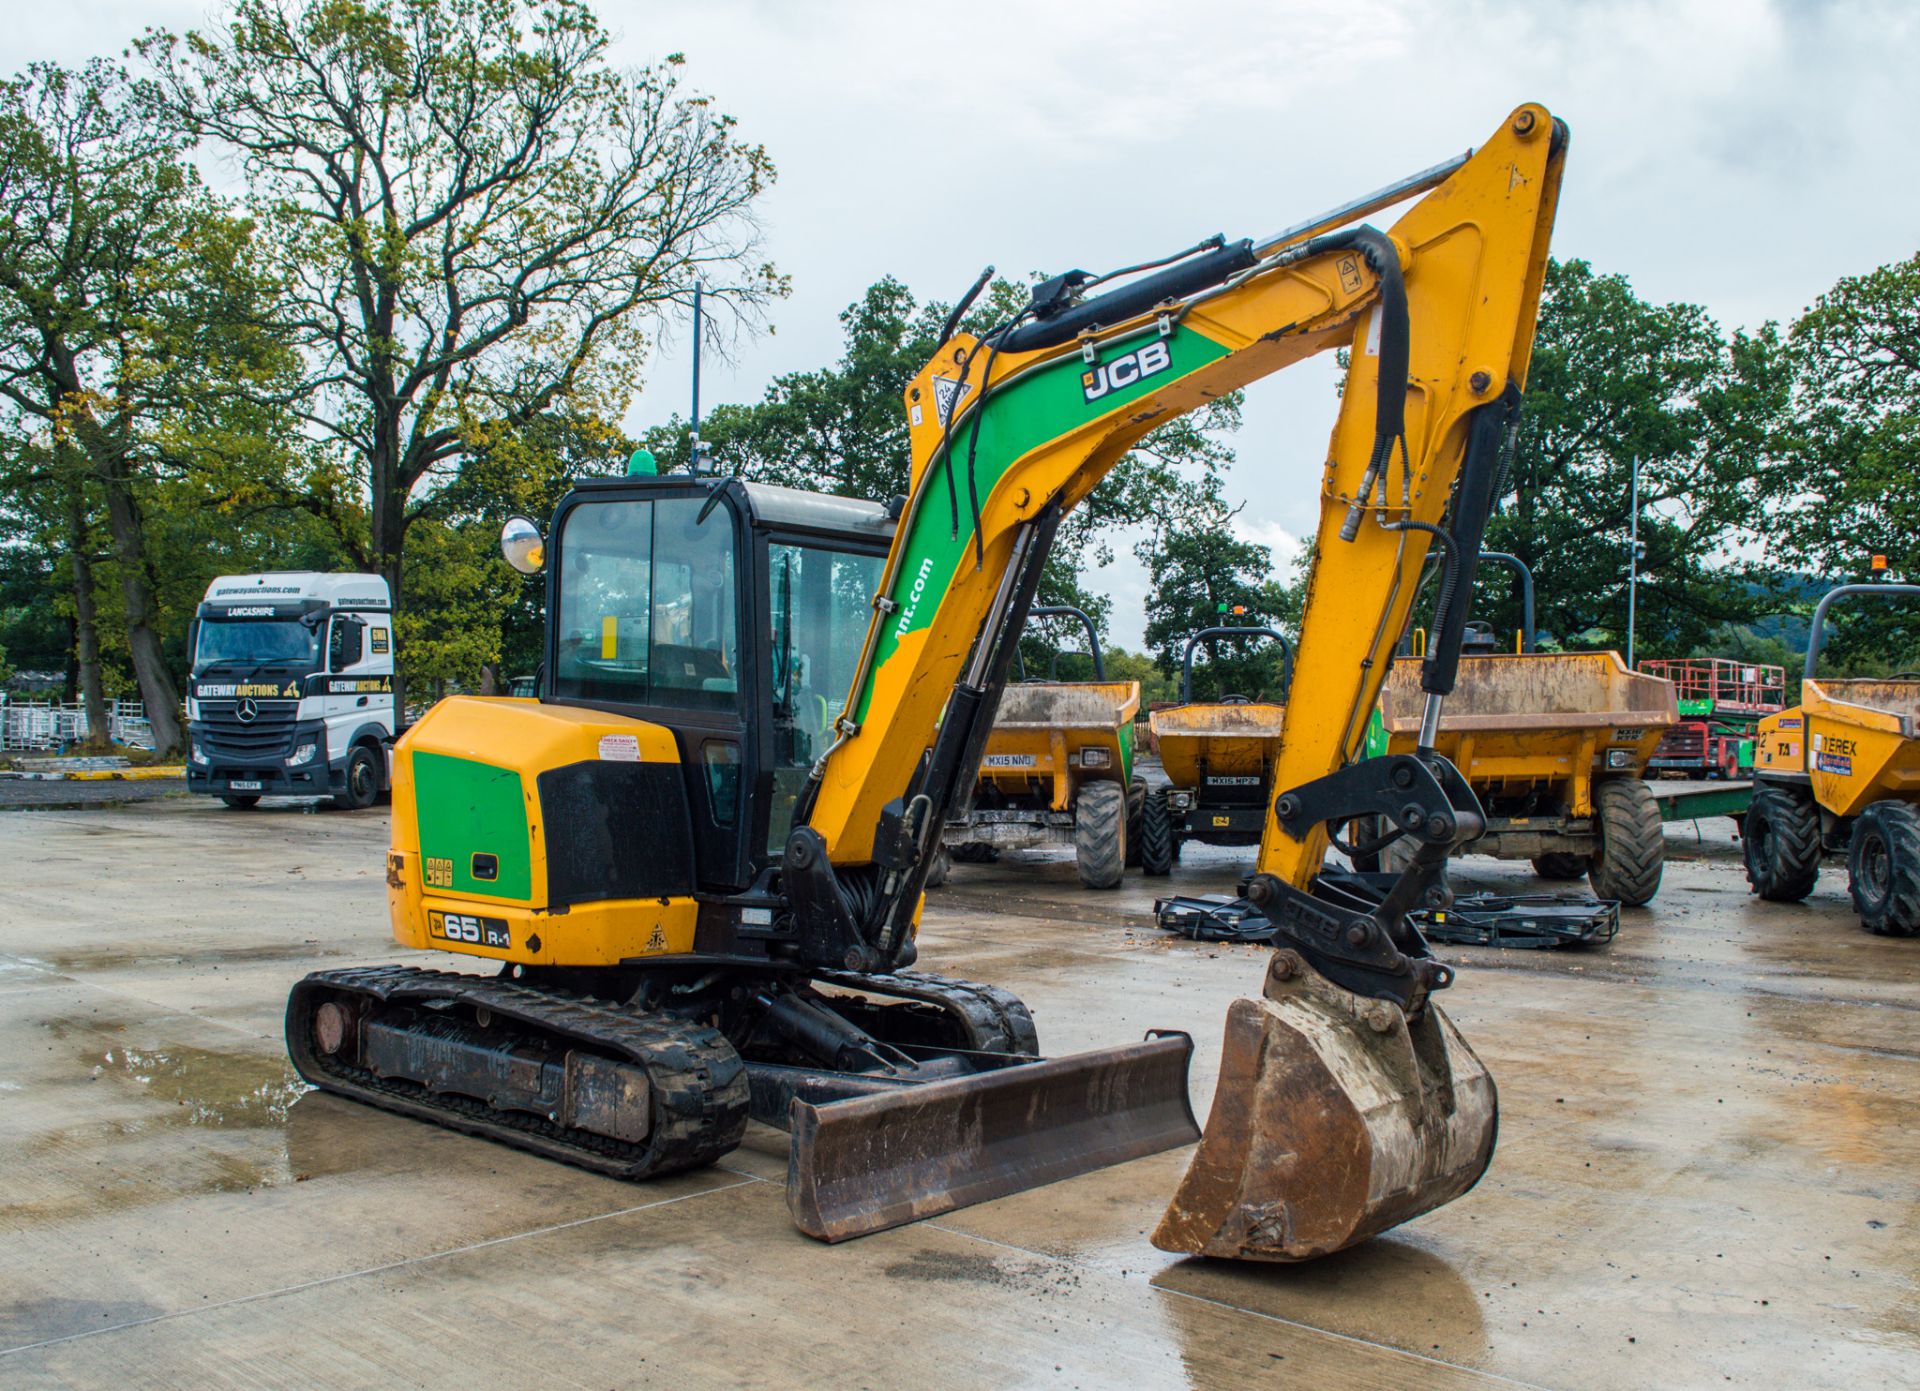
292	688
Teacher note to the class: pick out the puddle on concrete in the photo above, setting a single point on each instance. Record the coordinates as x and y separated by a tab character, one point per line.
1388	1290
224	1090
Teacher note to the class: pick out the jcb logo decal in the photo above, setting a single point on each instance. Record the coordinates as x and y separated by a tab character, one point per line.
1125	370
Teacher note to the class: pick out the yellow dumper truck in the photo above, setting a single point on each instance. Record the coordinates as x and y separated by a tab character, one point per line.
1218	756
1839	773
1058	768
1555	745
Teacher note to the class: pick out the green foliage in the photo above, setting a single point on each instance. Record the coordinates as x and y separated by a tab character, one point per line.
476	218
1614	377
1845	487
1156	686
1199	571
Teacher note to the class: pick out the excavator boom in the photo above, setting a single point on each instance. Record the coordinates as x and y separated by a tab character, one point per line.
1348	1102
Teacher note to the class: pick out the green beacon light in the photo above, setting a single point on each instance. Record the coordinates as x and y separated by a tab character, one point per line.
640	464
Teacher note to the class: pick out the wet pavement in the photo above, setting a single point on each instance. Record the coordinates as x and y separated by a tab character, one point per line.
1708	1170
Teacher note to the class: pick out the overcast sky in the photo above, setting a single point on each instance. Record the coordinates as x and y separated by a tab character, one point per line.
1741	155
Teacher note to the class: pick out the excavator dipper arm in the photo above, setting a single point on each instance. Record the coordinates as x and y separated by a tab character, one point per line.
1010	431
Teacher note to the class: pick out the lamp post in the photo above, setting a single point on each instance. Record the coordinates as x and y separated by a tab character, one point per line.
693	451
1633	551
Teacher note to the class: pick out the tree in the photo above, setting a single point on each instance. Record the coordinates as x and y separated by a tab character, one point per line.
1613	378
478	221
1199	573
126	295
1845	488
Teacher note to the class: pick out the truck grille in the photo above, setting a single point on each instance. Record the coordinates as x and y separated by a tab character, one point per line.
225	735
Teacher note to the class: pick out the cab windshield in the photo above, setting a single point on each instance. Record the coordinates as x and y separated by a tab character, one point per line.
649	603
251	642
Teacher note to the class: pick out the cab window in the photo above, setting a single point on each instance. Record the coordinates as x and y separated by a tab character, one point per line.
820	601
648	611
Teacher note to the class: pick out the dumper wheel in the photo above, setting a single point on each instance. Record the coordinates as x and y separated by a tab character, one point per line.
1560	864
941	867
1136	804
1100	834
1156	835
1883	868
1782	843
1633	844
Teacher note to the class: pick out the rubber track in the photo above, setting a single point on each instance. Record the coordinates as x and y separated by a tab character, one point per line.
1099	834
699	1082
1900	824
995	1020
1793	827
1633	842
1156	835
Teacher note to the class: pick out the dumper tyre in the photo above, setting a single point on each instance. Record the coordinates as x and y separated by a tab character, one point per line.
1136	805
1780	840
1156	835
941	867
1883	869
1560	865
240	801
1100	834
360	785
1633	842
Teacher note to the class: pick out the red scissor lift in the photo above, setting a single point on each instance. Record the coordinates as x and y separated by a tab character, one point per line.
1721	700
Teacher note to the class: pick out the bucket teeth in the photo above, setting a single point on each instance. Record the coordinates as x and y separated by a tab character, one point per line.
1336	1117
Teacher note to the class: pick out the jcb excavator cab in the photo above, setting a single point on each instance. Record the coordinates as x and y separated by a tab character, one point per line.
729	613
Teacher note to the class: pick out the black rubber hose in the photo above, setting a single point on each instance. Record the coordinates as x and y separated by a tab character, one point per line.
965	303
1189	277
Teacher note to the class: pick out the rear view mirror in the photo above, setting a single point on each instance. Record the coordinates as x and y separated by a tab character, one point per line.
522	545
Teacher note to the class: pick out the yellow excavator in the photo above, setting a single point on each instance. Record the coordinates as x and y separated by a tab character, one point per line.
696	860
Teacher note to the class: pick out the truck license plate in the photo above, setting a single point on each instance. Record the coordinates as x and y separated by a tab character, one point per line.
245	785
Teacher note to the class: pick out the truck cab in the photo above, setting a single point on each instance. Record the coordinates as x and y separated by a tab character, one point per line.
292	688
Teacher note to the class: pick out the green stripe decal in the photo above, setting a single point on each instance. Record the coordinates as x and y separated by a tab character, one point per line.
1126	752
1017	419
466	807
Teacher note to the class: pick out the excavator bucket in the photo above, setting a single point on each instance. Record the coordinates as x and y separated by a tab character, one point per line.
1336	1117
872	1162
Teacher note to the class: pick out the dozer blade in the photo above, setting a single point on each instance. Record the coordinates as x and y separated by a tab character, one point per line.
873	1162
1335	1118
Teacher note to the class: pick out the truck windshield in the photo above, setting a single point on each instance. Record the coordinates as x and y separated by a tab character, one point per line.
256	642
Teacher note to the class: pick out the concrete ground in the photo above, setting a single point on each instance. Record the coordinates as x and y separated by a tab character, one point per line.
1708	1172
